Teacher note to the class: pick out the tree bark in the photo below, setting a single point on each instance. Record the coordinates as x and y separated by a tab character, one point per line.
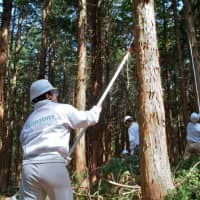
106	52
156	177
182	82
52	57
96	132
192	40
4	138
80	97
43	48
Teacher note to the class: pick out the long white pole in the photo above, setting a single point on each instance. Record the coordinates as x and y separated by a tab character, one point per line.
113	79
82	131
195	76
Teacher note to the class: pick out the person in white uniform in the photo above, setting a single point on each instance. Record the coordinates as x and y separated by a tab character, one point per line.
45	142
193	136
133	133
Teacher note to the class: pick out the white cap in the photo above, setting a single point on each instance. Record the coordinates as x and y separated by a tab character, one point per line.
127	117
124	152
40	87
194	117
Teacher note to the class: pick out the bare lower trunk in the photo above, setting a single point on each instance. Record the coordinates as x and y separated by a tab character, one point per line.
155	169
80	151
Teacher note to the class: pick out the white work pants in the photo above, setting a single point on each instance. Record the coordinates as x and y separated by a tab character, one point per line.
191	148
45	179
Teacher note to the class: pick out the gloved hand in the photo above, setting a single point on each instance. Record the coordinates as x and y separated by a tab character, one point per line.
67	160
95	111
132	152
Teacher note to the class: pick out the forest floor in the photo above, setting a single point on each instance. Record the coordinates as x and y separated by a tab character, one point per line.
120	180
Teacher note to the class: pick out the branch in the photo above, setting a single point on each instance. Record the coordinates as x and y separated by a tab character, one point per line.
132	47
88	196
136	187
187	176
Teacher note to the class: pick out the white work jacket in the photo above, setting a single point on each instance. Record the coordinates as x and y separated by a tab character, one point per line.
46	133
193	132
133	133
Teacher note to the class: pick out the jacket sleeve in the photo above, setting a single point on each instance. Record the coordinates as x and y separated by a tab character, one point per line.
83	119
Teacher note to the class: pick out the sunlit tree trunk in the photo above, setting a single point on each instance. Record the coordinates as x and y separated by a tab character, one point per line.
156	177
43	48
4	138
80	96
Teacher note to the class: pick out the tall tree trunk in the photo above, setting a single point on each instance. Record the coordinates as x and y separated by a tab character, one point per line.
192	40
107	122
52	51
167	77
14	127
182	83
43	48
156	177
95	133
4	138
80	97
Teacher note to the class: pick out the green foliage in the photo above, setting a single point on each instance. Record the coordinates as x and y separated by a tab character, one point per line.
126	171
187	177
118	166
118	175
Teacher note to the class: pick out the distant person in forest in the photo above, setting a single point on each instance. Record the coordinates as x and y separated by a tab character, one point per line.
45	142
133	133
193	136
124	154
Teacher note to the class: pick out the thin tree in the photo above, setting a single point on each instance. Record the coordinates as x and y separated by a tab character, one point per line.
192	40
167	76
156	177
105	30
43	48
95	133
180	63
80	95
4	37
182	82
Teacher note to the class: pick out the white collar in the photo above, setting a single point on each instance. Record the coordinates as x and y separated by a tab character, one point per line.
41	103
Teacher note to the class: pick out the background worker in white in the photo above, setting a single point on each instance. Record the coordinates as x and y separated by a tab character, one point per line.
193	136
45	142
133	133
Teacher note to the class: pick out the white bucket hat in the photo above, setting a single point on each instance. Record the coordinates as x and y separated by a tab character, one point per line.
40	87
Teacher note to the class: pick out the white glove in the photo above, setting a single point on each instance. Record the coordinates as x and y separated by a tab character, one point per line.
95	113
67	160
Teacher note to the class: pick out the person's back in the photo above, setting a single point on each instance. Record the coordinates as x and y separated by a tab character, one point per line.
193	132
133	133
45	143
193	136
45	132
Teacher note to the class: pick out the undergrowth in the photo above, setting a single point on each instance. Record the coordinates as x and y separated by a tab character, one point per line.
187	180
120	180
